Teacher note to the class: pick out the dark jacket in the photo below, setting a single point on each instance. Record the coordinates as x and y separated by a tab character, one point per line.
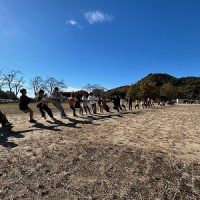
23	102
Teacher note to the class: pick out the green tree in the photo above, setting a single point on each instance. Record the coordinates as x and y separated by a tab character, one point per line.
149	89
134	92
168	90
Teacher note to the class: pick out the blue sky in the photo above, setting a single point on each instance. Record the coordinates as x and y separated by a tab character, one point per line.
107	42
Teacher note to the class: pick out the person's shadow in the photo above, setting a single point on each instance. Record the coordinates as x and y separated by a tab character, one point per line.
5	133
60	123
72	123
42	126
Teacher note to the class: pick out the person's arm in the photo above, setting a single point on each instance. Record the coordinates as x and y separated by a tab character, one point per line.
39	101
53	96
61	96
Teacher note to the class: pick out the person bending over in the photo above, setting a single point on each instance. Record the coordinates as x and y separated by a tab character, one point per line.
23	105
56	101
42	105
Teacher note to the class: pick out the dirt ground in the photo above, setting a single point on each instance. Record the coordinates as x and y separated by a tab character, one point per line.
146	154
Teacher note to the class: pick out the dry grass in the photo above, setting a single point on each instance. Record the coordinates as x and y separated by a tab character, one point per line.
153	154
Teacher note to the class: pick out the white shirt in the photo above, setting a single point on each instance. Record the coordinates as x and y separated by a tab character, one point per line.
92	99
122	102
85	101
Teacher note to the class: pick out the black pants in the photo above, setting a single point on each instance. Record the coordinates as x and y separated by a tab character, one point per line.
47	109
74	110
3	119
130	106
86	108
118	107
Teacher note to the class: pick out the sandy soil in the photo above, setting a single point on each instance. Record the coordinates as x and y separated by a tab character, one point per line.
152	153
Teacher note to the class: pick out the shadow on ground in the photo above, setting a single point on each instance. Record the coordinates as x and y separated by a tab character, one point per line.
5	133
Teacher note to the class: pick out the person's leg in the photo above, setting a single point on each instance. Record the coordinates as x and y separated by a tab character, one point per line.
42	112
48	110
107	109
31	115
3	119
100	109
74	110
81	111
58	105
120	108
87	108
94	108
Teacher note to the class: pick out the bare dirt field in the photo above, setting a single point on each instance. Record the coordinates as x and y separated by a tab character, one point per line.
147	154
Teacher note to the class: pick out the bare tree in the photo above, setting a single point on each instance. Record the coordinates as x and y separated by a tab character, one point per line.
37	84
13	80
51	83
17	85
2	82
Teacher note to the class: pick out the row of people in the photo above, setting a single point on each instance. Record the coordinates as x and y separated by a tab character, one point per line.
75	102
42	104
85	103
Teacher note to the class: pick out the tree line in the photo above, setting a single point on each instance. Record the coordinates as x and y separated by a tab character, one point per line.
159	87
11	82
156	86
165	86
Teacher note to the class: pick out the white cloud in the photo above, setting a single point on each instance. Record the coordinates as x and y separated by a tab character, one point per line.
74	23
97	17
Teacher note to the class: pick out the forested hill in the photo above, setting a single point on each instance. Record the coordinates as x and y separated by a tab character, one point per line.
161	85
